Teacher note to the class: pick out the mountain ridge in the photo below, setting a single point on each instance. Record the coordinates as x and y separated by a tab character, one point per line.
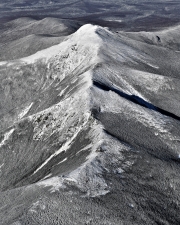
70	129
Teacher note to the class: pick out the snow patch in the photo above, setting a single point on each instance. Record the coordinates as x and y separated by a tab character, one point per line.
1	165
62	161
55	182
66	145
150	81
6	137
47	176
25	111
37	205
85	148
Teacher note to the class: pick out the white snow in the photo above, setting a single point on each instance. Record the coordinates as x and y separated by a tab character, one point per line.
85	37
3	63
131	205
46	176
62	92
25	111
1	165
65	146
6	137
112	102
62	161
37	205
81	52
150	81
114	20
55	182
120	170
85	148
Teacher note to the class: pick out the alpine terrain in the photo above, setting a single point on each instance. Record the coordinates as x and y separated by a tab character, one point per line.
90	123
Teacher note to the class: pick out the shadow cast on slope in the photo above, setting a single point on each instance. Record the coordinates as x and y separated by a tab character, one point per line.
135	99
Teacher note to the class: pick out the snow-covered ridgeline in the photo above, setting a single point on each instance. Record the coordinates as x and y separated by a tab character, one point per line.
74	65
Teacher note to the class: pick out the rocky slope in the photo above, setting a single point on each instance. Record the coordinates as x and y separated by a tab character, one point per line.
90	131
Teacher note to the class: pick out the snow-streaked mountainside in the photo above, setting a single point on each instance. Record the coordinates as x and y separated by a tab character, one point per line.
25	36
90	131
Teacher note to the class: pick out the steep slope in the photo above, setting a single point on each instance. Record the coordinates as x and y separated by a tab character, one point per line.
58	112
169	38
25	36
94	116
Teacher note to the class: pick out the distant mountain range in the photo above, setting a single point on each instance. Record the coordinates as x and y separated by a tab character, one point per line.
127	15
